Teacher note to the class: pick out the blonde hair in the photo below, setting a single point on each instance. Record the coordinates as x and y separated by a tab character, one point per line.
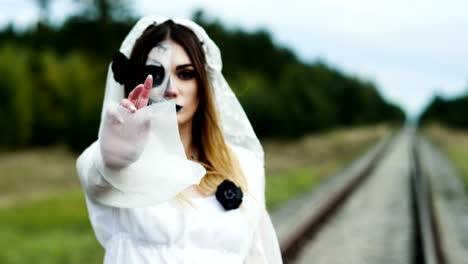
213	152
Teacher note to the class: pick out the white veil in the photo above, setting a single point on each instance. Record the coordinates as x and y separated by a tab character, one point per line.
236	127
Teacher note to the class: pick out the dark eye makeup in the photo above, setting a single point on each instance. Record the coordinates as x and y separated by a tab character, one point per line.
157	71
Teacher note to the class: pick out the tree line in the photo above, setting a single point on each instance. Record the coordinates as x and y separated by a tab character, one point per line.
450	112
53	81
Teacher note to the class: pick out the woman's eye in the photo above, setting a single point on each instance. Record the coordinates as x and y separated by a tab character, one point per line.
187	74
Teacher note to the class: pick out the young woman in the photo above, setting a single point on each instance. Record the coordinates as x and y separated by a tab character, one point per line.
176	175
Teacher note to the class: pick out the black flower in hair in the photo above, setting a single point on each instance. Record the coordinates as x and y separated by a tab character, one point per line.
229	195
122	68
127	73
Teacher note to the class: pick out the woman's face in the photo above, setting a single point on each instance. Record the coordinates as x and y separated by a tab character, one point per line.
182	86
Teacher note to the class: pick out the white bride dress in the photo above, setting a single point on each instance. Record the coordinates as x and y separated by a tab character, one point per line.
137	212
138	217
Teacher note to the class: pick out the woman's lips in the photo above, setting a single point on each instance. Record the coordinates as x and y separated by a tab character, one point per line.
178	107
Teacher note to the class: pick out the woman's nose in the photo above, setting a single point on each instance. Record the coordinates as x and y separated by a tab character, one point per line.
171	91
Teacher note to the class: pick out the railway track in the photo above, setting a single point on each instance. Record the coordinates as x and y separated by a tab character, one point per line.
292	247
385	212
428	243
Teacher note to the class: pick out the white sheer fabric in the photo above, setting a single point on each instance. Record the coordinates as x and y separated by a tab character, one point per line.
135	170
145	154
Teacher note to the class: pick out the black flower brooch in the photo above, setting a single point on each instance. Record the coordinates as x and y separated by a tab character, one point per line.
229	195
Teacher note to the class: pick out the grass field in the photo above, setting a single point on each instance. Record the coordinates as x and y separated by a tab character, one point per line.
454	143
296	166
43	218
51	230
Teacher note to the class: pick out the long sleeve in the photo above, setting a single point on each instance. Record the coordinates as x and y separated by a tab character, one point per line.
144	172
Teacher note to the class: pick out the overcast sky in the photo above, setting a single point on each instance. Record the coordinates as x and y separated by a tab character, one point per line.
409	49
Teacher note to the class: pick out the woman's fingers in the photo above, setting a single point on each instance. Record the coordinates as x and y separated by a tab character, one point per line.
145	93
128	104
135	94
139	96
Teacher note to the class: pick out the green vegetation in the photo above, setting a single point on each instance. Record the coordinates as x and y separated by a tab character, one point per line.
448	112
283	186
51	230
54	78
294	167
43	217
455	144
35	173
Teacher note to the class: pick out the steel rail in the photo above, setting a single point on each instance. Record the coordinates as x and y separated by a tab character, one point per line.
306	233
428	245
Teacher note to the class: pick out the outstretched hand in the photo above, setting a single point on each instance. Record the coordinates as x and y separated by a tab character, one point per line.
123	142
139	96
